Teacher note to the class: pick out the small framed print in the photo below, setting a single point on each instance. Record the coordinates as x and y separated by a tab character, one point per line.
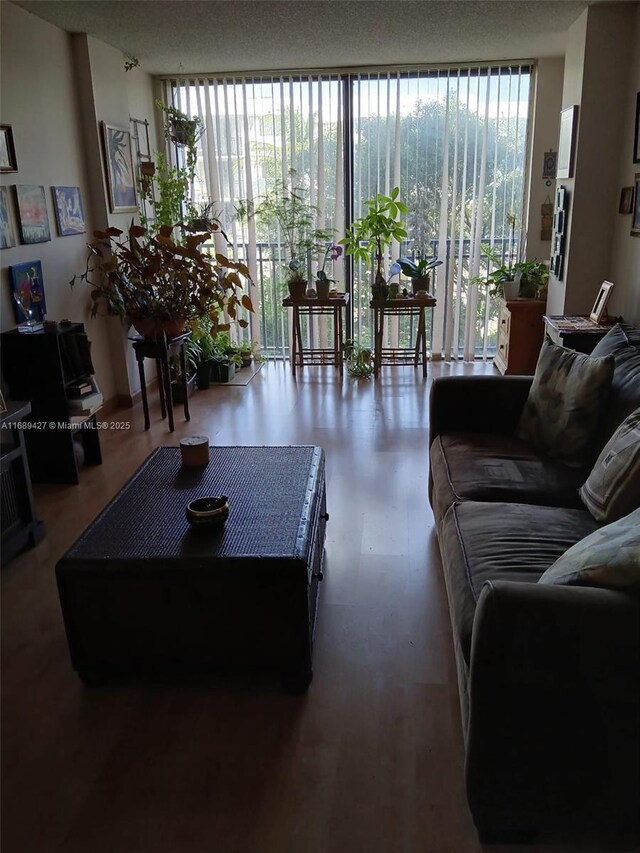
32	214
567	141
636	140
120	175
635	223
7	238
626	200
8	161
27	289
599	306
69	213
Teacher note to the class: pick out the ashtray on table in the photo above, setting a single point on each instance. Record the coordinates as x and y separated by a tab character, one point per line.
208	512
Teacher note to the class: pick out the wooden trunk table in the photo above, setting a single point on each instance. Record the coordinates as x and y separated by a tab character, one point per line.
143	591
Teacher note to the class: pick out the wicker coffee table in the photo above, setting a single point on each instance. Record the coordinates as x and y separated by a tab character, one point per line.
142	591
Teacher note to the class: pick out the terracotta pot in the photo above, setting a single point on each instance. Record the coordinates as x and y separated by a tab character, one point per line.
297	289
153	329
420	283
323	288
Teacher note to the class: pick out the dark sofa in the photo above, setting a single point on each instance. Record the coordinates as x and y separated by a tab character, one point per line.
548	675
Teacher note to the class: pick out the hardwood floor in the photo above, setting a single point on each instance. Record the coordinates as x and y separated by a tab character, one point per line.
370	759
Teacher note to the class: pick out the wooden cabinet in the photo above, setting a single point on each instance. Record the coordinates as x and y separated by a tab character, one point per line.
43	368
520	335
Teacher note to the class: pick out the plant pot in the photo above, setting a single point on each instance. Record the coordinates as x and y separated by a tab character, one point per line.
323	288
153	329
297	289
181	132
379	292
222	372
177	391
511	289
203	374
422	283
247	360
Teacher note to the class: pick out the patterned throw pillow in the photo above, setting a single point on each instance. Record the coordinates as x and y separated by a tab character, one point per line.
608	557
561	415
613	486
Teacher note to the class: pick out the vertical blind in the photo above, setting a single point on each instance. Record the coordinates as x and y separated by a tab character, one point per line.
454	140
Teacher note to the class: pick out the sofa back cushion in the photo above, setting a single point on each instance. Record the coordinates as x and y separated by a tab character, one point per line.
609	557
612	488
623	343
562	412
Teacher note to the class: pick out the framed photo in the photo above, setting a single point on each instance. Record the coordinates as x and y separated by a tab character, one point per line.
7	237
3	405
8	162
635	222
599	306
32	214
636	140
567	141
27	290
69	213
120	174
558	222
626	200
561	192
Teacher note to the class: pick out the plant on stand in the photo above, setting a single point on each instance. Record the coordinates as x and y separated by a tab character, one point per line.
419	271
289	210
370	236
323	282
158	285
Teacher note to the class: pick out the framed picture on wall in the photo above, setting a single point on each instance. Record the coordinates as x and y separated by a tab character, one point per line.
8	161
636	140
69	213
7	237
120	175
567	141
635	223
32	214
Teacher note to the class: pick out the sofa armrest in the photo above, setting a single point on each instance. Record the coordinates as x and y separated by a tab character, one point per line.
489	404
554	703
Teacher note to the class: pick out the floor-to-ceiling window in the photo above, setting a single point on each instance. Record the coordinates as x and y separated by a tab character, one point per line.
453	139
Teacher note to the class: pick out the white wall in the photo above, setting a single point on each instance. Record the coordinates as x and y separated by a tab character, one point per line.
601	78
545	124
625	249
54	102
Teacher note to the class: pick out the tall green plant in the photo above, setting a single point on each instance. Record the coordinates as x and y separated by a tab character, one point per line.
372	234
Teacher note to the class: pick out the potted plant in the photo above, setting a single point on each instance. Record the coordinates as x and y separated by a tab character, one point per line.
192	358
323	282
290	211
359	360
533	278
157	285
419	271
371	235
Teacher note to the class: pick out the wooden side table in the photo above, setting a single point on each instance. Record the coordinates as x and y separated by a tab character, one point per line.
520	336
313	307
577	332
161	350
409	307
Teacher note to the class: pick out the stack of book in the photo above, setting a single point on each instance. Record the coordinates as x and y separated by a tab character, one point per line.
84	397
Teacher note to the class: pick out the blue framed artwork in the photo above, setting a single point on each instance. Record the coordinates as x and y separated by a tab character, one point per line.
27	290
69	213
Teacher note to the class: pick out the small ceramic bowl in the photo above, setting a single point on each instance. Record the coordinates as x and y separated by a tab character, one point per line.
211	511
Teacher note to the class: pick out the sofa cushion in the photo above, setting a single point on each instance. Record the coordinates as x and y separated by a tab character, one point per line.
480	467
609	557
612	488
562	412
482	541
623	343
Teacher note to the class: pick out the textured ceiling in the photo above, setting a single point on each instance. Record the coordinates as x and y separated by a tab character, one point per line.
234	35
